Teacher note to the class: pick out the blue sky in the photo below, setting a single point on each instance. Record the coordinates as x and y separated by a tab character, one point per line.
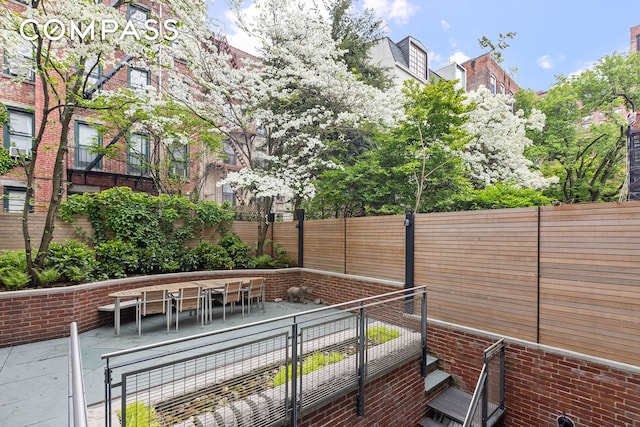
553	38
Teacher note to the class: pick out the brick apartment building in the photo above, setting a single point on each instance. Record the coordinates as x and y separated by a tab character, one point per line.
408	59
86	171
485	71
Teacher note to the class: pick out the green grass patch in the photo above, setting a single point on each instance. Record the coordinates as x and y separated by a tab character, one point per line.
139	414
311	363
381	334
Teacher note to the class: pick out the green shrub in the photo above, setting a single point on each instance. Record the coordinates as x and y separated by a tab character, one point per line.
13	259
264	261
116	258
74	260
48	276
237	250
188	260
381	334
311	363
139	414
13	279
212	257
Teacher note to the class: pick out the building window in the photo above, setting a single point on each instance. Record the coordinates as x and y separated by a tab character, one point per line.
138	154
492	84
228	195
137	15
87	138
19	132
92	73
138	78
417	61
230	154
638	43
502	91
179	161
20	62
13	200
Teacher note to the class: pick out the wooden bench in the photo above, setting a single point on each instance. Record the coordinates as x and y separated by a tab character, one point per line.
123	304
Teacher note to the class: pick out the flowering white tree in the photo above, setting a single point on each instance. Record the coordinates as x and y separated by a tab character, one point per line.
63	44
495	152
300	94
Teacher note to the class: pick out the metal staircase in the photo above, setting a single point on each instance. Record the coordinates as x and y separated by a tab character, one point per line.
452	407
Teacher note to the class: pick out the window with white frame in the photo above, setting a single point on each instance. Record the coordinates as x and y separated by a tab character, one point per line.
502	91
18	62
13	199
139	78
18	132
492	84
138	154
417	61
87	139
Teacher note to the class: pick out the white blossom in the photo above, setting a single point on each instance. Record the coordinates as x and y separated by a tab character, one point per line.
496	150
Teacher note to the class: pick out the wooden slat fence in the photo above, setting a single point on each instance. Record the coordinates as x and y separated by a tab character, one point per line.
590	279
480	268
565	276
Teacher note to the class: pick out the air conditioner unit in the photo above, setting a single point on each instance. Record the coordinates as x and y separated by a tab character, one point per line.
18	152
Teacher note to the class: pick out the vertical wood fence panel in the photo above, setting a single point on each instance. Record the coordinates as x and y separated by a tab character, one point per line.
324	244
11	238
480	268
375	245
285	234
247	231
589	279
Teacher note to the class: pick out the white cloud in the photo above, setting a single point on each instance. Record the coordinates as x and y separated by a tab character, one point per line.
459	57
545	62
445	25
395	10
584	67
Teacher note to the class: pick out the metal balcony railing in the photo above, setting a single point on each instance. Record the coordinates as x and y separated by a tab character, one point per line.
246	376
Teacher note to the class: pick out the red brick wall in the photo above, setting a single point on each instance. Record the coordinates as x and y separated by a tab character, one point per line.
479	71
42	314
541	381
395	399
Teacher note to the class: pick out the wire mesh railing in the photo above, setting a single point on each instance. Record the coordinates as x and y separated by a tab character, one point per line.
488	398
246	376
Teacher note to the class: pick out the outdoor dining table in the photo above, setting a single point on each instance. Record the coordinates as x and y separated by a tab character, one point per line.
209	286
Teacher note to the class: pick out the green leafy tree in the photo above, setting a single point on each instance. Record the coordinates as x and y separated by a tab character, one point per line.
415	167
583	141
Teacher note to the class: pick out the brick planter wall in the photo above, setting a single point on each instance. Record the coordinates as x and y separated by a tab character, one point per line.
41	314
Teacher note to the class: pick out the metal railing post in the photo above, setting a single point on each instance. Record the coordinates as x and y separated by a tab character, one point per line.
77	398
423	333
502	369
107	394
362	337
294	374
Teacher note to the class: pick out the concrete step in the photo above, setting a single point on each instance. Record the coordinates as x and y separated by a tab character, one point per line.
434	379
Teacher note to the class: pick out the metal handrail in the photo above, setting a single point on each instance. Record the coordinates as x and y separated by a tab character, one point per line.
77	402
360	302
481	386
475	400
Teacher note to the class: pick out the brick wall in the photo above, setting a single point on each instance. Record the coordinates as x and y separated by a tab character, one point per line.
541	381
42	314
